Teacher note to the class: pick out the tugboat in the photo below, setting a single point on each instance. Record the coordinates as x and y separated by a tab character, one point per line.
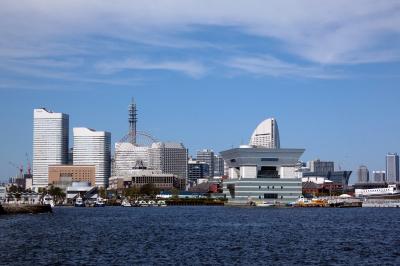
100	202
48	200
79	202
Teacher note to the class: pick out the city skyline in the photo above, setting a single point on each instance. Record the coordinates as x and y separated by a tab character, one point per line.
193	151
328	72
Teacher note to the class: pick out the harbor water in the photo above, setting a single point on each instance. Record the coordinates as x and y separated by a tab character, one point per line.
202	235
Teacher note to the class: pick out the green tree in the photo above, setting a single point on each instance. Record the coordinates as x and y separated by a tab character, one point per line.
103	192
175	193
132	192
149	190
57	194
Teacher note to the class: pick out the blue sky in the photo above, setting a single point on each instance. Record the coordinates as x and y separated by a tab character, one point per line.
205	73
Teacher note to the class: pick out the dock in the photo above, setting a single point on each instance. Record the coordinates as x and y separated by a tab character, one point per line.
24	209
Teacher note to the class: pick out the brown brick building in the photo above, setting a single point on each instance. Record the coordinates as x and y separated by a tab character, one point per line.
59	174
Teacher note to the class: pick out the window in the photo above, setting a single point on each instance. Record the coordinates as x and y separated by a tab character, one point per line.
270	196
269	159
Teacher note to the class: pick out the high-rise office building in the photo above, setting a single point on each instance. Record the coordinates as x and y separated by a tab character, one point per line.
197	170
207	156
392	167
321	167
169	157
363	174
93	147
219	165
379	176
50	143
266	135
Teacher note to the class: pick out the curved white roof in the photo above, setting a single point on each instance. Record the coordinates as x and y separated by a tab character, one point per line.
266	135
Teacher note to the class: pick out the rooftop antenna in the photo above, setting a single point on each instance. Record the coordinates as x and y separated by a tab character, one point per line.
132	121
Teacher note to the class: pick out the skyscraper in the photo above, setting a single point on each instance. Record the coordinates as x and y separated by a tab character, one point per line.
392	167
266	135
207	156
219	165
321	167
50	143
197	170
170	158
363	174
93	147
379	176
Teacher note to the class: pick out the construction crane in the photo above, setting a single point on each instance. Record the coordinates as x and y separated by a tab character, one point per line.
19	168
28	164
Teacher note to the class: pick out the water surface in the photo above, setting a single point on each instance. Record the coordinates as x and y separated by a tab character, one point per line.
202	235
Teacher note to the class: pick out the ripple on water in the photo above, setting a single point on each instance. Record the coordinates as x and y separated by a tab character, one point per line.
202	235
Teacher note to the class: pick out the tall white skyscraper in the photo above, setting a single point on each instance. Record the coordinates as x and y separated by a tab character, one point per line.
93	147
50	143
266	135
392	167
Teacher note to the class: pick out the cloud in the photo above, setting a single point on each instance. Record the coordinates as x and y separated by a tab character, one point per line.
319	31
271	66
191	68
316	36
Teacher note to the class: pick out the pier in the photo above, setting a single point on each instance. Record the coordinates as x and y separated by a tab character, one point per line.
24	209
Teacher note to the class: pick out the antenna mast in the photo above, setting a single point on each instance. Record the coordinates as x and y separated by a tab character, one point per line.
132	121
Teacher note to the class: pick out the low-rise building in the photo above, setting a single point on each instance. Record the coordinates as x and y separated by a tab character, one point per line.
64	175
139	177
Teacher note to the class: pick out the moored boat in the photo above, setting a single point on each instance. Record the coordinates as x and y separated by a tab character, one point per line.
126	203
100	202
48	200
79	202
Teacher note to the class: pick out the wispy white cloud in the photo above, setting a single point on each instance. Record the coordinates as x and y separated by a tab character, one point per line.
271	66
319	31
314	34
191	68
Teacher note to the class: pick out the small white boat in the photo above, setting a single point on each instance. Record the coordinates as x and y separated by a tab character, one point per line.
264	204
126	203
79	202
100	202
152	203
143	203
48	200
161	203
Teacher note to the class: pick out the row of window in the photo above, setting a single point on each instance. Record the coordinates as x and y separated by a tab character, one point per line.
273	187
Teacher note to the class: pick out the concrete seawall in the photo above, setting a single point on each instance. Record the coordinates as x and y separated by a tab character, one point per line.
21	209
